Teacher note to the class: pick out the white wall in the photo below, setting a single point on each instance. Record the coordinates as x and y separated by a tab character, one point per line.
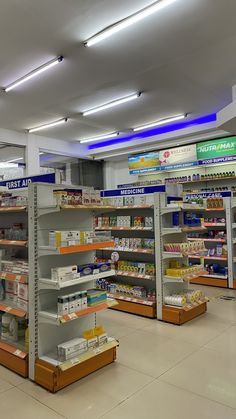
116	173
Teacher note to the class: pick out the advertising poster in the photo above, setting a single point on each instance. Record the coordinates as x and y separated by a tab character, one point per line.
144	163
217	151
179	157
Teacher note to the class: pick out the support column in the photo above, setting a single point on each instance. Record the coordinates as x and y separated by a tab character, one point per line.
32	156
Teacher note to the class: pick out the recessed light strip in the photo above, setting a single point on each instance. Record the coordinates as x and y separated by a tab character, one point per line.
160	122
34	73
112	104
52	124
101	137
136	17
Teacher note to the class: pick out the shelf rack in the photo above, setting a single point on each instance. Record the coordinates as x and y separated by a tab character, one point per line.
168	285
13	355
127	304
47	329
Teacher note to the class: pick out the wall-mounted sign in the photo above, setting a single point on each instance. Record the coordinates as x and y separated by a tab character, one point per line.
24	181
205	195
178	155
217	151
143	163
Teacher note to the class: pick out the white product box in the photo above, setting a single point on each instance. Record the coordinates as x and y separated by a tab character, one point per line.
72	302
92	343
140	200
71	348
23	291
62	305
102	339
78	302
23	304
86	196
66	273
11	287
119	201
64	238
84	300
11	297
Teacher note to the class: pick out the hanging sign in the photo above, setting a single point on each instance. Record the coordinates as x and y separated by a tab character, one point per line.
24	182
186	155
133	191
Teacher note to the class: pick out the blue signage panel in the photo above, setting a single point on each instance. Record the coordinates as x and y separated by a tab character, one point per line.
208	195
215	160
24	181
142	190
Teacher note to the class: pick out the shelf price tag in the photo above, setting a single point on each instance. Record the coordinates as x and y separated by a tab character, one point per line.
17	353
7	309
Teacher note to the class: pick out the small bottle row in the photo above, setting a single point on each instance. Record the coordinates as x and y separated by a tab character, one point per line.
180	300
132	291
80	300
124	221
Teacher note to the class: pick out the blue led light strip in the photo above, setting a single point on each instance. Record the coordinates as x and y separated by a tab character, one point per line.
155	131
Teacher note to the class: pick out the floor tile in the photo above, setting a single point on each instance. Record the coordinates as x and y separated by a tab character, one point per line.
199	331
4	385
151	353
225	342
94	395
160	400
11	377
16	404
207	373
115	327
124	319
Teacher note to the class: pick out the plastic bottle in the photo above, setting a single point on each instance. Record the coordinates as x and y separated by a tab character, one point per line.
175	219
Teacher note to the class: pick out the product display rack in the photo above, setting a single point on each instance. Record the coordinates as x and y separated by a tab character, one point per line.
13	354
164	233
223	280
47	329
127	303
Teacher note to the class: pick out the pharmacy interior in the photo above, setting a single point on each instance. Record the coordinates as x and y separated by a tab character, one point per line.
73	251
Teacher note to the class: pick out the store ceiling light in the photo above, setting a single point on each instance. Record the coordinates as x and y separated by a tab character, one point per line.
112	104
13	160
34	73
101	137
8	165
46	126
160	122
122	24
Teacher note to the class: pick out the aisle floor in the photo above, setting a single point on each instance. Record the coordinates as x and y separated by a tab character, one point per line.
162	371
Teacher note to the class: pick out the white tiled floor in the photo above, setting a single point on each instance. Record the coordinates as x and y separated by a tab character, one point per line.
162	371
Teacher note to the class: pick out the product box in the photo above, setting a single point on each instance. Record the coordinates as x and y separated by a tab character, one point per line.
11	287
95	297
84	300
119	201
86	196
103	267
64	238
140	200
11	297
84	270
63	305
23	291
103	338
23	304
148	222
87	236
74	196
71	349
66	273
92	343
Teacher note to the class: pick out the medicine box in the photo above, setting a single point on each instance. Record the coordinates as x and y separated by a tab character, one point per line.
71	348
64	238
66	273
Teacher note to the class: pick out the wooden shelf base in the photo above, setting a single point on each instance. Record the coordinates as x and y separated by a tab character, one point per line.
135	308
54	379
13	362
212	282
179	316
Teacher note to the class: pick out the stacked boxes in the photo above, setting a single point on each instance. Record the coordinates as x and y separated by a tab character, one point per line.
124	221
136	267
73	272
71	303
74	197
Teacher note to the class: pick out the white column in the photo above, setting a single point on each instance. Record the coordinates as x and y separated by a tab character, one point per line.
32	156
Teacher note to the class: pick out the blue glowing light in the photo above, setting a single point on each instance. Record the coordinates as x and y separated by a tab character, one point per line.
155	131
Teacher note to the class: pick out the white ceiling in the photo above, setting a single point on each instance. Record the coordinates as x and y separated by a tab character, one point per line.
183	59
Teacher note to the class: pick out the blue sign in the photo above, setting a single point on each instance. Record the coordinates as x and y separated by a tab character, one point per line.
215	160
24	181
142	190
164	168
208	195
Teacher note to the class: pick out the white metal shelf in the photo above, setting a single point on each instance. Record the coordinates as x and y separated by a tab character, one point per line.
50	284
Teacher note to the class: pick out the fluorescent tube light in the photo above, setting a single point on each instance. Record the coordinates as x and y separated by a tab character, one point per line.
112	104
101	137
122	24
52	124
160	122
34	73
13	160
7	165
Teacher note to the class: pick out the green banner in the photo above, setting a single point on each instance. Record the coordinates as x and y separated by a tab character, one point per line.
216	148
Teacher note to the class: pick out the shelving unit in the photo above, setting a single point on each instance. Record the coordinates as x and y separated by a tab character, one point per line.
47	328
167	285
126	303
215	279
13	354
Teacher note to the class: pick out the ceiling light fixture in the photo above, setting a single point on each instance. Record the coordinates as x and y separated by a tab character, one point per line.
160	122
122	24
13	160
51	125
7	165
112	104
101	137
34	73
